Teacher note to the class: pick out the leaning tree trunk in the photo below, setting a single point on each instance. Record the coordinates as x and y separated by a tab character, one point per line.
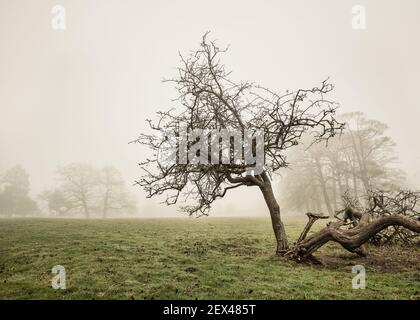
274	208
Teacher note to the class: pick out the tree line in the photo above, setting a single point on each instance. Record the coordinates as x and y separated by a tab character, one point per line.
81	191
360	159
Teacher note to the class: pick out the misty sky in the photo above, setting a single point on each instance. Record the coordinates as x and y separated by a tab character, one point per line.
83	93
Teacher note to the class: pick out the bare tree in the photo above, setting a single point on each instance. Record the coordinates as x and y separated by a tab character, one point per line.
359	159
78	184
113	194
210	99
85	189
372	152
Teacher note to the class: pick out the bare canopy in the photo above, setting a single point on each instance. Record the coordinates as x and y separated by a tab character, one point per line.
210	99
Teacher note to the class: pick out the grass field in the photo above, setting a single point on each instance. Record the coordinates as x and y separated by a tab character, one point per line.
203	258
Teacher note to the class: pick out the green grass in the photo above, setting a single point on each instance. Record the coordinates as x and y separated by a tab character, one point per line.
187	259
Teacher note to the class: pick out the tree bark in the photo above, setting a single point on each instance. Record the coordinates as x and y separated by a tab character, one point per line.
274	209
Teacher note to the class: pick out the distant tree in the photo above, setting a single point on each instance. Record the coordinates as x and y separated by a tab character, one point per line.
114	197
358	160
372	152
87	190
57	202
78	186
14	193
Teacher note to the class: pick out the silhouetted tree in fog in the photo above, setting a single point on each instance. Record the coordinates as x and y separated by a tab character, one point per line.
87	190
355	162
78	184
112	192
210	99
14	193
57	202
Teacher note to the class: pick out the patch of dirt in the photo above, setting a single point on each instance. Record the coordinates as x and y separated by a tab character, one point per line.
384	259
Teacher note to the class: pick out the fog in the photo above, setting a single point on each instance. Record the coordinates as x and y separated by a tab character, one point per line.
81	94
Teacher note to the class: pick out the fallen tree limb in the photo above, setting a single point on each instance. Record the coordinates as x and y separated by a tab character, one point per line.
313	217
353	238
384	203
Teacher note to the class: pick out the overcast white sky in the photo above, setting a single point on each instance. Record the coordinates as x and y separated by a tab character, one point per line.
83	93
